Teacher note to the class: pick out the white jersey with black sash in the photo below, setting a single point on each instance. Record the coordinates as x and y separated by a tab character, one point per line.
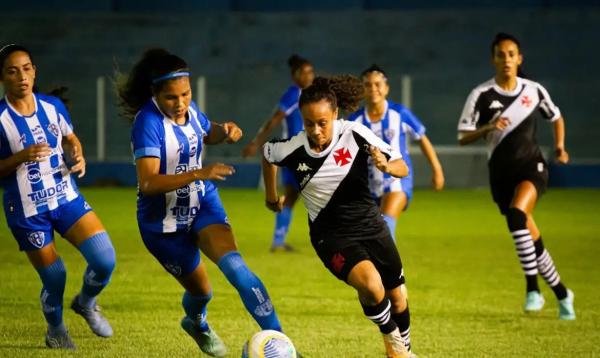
516	145
334	183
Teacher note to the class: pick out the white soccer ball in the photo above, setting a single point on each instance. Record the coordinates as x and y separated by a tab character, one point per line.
269	344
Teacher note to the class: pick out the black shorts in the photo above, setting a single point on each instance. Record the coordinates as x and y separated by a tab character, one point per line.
340	256
504	183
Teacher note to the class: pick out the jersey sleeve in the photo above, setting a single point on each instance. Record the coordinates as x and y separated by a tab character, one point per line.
205	123
415	126
372	139
289	101
276	151
549	110
470	114
145	137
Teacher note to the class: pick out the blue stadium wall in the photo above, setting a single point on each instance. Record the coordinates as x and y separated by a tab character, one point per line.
241	48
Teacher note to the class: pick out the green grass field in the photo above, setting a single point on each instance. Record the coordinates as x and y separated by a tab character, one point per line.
465	284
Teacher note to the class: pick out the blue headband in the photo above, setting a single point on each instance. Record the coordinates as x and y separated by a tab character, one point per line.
168	76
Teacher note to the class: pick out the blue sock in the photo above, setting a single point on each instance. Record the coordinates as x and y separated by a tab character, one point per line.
195	308
100	256
391	223
53	278
282	225
252	292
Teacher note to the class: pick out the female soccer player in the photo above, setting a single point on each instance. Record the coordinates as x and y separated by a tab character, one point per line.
329	160
393	123
504	110
179	209
302	76
41	196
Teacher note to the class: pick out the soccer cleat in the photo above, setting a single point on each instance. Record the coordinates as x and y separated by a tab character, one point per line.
60	341
208	342
282	248
534	301
394	345
566	311
97	322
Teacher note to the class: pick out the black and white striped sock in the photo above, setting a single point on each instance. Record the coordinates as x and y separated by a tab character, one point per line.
548	270
402	320
517	224
381	316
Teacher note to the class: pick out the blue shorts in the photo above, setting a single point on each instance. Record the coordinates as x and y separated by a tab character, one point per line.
177	251
407	188
37	231
288	179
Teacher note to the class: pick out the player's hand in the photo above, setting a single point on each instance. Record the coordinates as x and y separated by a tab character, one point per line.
379	160
275	205
438	180
250	150
78	162
233	133
562	156
35	153
216	171
499	124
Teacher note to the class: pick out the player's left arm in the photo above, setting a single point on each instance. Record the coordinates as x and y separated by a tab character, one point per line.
558	127
436	167
228	132
72	146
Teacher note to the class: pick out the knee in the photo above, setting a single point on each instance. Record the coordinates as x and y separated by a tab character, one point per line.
399	299
516	219
370	291
100	254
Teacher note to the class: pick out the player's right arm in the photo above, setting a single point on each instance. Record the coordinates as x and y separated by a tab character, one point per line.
153	183
469	129
272	199
33	153
261	137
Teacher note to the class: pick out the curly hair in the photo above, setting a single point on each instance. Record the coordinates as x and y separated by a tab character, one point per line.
138	87
341	91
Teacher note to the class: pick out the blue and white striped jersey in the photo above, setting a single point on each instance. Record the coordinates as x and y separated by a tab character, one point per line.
179	149
288	104
395	128
36	187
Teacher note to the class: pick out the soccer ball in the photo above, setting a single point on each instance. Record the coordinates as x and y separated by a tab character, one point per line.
269	344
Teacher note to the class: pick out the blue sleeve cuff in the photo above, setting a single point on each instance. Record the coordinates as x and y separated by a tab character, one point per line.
146	152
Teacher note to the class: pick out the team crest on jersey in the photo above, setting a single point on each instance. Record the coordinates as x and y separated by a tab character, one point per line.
389	133
526	101
53	128
496	104
37	238
342	157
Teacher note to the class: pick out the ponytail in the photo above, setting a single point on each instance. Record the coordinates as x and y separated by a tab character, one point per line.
342	91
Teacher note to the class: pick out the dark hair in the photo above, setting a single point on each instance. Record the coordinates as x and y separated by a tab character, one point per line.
7	50
343	91
296	62
503	36
138	87
373	68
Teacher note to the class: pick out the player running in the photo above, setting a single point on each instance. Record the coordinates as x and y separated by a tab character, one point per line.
504	110
179	209
288	114
329	160
40	196
394	124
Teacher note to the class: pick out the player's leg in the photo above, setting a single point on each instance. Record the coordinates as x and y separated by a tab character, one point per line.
178	254
400	313
392	205
365	278
215	239
523	201
548	271
284	217
82	228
